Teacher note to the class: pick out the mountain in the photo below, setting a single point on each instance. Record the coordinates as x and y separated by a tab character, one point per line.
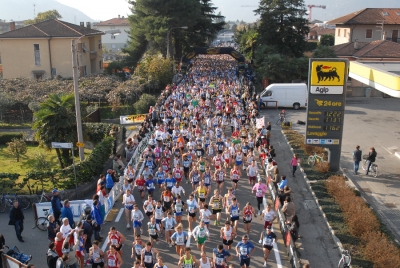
243	10
18	10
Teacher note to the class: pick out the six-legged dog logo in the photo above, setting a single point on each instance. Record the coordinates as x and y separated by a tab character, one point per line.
329	75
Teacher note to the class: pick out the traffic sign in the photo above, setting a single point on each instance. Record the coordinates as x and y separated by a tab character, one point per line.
80	144
61	145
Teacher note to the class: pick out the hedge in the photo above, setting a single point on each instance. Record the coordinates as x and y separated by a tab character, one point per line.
97	131
8	136
92	165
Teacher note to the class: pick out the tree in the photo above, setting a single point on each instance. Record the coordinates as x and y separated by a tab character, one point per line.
42	16
327	40
324	52
16	148
283	25
55	121
234	27
145	101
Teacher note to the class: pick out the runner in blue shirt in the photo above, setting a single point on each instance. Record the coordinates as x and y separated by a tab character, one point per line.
170	181
221	257
244	250
160	176
150	185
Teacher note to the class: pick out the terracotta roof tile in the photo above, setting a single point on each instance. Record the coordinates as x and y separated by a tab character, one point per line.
374	49
114	22
50	28
370	16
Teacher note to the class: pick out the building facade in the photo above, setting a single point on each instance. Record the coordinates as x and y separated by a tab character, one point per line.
112	42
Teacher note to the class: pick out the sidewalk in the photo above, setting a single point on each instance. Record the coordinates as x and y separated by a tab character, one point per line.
316	245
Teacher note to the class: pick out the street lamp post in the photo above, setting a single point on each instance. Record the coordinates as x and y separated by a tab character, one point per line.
76	91
169	31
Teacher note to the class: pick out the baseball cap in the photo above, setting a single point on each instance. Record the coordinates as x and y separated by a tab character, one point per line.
54	191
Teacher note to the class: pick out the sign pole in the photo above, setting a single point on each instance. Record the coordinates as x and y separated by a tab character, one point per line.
73	163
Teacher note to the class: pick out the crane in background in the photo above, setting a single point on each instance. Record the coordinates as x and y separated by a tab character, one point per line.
310	7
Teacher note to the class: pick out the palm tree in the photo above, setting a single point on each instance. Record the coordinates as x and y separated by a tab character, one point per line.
55	121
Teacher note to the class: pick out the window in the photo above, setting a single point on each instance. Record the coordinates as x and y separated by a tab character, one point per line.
36	51
344	32
368	33
113	36
38	75
100	64
99	44
384	13
53	71
338	32
269	93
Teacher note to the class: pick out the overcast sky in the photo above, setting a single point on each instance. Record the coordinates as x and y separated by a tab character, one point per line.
106	9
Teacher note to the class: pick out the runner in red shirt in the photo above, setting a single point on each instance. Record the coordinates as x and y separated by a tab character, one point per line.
177	173
139	183
217	161
165	166
114	259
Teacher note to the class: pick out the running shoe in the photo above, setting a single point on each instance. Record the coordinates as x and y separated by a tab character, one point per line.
128	226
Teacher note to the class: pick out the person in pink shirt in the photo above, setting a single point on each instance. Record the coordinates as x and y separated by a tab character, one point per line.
260	188
294	162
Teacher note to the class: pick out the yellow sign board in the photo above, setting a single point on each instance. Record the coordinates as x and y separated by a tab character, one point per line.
80	144
328	73
129	119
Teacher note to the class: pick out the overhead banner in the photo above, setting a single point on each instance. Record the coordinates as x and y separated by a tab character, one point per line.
130	119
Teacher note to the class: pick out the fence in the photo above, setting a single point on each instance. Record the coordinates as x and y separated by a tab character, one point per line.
10	262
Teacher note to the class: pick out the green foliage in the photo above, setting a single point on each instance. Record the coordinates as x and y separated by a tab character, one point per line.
42	16
283	25
41	178
324	52
115	66
310	46
96	131
56	121
327	40
247	40
157	69
145	101
6	137
41	162
281	69
17	148
88	168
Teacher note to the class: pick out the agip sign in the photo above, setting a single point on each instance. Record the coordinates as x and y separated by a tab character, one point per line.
326	103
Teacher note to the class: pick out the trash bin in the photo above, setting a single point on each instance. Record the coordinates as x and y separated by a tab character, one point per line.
368	92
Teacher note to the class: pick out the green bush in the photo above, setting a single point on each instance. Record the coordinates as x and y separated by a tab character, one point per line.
97	131
311	46
143	104
9	136
91	166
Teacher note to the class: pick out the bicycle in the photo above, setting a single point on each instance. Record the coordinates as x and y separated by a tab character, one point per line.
281	120
6	201
41	222
345	261
372	169
312	159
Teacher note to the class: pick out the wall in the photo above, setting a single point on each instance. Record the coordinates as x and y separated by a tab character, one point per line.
344	37
359	32
120	40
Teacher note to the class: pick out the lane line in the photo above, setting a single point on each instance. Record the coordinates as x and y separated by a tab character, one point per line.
103	248
119	214
275	247
188	240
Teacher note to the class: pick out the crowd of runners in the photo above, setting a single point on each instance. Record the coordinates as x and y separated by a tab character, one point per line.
202	132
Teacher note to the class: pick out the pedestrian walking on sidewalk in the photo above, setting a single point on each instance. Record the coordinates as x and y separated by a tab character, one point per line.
357	159
371	158
17	219
294	162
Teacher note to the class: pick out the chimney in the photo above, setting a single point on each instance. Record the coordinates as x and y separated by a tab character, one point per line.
12	25
356	44
88	25
119	16
82	25
384	35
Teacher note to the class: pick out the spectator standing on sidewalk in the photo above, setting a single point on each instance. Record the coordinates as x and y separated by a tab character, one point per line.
294	162
288	209
371	158
66	212
56	205
17	219
357	154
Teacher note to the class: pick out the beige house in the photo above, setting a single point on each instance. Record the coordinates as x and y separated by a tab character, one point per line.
367	25
43	50
114	42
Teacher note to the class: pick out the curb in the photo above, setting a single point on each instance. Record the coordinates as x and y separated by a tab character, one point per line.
335	239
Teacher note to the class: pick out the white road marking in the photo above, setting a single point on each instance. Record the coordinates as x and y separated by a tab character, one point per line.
276	252
103	248
119	214
386	150
188	240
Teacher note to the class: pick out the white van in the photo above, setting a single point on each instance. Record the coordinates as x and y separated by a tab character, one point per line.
287	95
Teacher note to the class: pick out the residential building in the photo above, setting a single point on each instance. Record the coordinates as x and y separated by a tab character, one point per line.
113	42
368	24
43	50
9	26
317	31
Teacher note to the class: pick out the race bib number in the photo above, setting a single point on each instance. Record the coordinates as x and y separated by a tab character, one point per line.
179	239
201	195
243	250
248	217
235	213
219	261
216	204
148	259
111	263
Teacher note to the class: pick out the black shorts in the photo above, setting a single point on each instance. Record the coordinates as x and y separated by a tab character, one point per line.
215	211
268	247
220	151
186	169
234	219
154	236
148	265
149	213
244	221
235	181
202	199
192	215
119	248
138	257
227	242
130	180
167	206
